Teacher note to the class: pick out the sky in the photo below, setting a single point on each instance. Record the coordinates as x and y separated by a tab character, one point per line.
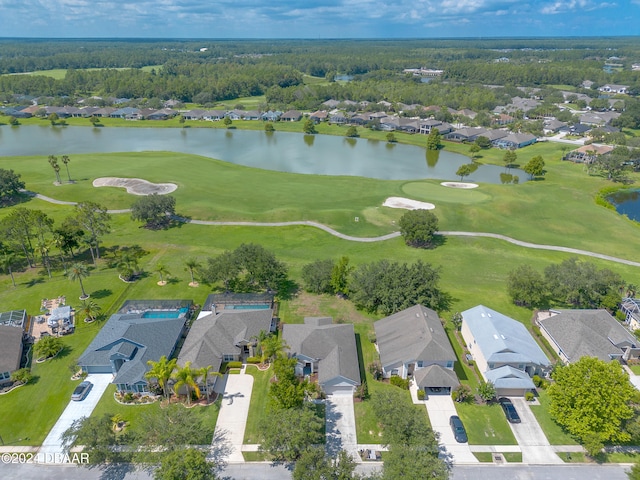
317	18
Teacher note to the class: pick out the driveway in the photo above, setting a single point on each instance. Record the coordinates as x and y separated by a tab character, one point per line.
440	408
232	419
75	410
341	425
532	440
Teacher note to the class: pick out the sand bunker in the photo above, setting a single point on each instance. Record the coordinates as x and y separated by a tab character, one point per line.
459	185
407	203
135	186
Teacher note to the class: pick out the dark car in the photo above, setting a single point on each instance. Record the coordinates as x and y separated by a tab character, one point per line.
458	429
81	391
509	410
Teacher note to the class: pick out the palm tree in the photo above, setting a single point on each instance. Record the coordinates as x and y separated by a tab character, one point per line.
78	271
162	270
161	371
186	377
273	346
53	161
90	310
66	160
127	265
191	265
7	261
204	373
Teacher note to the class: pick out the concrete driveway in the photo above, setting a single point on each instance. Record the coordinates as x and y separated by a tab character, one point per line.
74	411
440	409
532	440
232	419
341	425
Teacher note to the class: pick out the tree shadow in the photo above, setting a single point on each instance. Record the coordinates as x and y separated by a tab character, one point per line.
102	293
287	289
34	281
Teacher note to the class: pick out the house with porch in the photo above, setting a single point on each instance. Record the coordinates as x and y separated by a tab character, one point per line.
574	334
141	331
225	335
514	141
291	116
468	134
326	349
505	352
630	306
413	344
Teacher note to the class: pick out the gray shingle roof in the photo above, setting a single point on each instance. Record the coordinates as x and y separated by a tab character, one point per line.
592	333
435	376
137	339
502	339
214	335
333	345
509	377
412	334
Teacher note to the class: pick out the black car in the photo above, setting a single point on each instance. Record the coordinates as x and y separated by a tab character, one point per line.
81	391
458	429
509	410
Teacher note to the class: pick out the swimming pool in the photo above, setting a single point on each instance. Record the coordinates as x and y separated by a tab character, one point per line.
165	314
247	307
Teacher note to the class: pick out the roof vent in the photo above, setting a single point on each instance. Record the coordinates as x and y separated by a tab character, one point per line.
495	336
503	337
482	315
431	329
418	315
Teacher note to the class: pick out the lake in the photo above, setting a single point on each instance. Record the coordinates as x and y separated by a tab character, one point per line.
280	151
627	202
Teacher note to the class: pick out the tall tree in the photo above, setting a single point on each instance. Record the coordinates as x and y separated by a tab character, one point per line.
317	276
464	171
78	271
434	140
340	276
53	161
225	267
94	219
66	160
590	398
161	371
204	373
185	464
162	271
17	230
10	186
509	158
156	211
526	286
535	167
7	261
192	265
287	433
90	310
309	127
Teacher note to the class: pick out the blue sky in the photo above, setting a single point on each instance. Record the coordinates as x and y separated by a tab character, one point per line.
317	18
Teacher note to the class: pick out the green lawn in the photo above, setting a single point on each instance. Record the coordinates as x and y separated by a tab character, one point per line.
635	369
554	432
512	457
259	399
485	424
484	457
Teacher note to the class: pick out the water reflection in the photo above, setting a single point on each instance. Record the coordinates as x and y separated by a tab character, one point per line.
309	139
351	142
390	145
432	158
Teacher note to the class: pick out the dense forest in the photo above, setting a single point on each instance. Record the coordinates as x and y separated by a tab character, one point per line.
207	71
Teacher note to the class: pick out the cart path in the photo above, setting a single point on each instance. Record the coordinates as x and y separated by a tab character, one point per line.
381	238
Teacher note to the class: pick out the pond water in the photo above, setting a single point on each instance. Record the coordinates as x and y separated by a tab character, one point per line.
280	151
627	202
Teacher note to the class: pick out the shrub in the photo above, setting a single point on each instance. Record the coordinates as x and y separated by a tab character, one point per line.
254	360
22	376
537	380
529	396
421	394
462	393
362	391
128	397
399	382
234	365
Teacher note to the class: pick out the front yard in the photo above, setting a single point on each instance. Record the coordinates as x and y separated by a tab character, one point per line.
485	424
554	432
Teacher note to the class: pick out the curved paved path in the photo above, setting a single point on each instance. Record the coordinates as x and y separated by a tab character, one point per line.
381	238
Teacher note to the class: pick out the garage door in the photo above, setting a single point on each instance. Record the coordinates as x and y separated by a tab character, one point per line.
510	392
339	390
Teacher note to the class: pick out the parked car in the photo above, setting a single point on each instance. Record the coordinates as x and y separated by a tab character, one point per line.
81	391
509	410
457	427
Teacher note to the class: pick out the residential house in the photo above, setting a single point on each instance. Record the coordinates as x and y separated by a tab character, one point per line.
271	116
413	344
587	153
360	120
104	112
504	351
577	129
235	114
291	116
515	140
214	115
552	125
408	125
195	114
338	118
16	113
429	124
253	115
12	336
225	335
390	123
610	88
598	119
141	331
502	119
126	112
163	114
331	103
574	334
318	116
468	134
326	349
465	112
495	134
